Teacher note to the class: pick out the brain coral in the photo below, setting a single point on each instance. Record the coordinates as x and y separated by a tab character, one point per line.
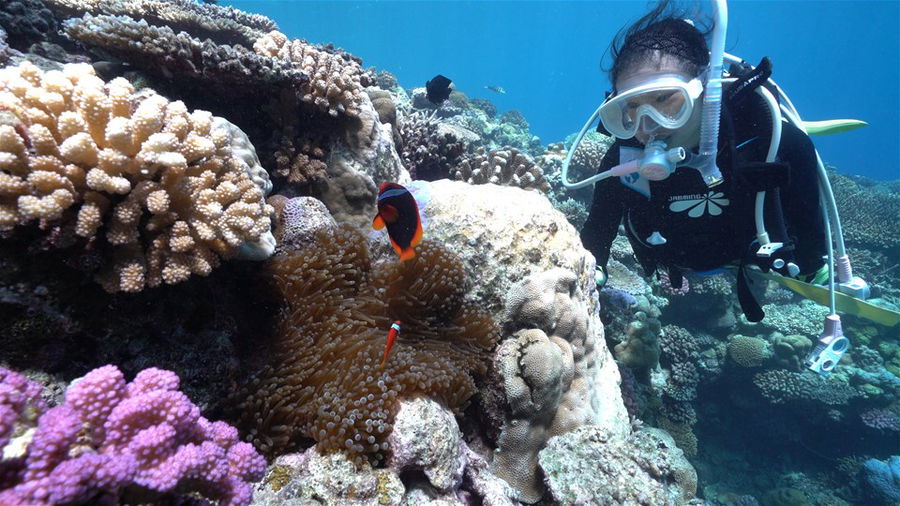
323	379
748	351
162	190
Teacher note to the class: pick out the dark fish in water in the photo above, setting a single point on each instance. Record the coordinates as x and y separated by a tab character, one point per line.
619	299
496	89
438	89
398	211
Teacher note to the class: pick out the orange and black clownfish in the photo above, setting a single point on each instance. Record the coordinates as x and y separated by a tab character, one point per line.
392	335
398	211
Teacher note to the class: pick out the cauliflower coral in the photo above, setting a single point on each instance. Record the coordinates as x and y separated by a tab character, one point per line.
158	190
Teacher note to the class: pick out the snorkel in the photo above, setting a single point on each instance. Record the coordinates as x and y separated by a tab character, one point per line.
705	160
658	161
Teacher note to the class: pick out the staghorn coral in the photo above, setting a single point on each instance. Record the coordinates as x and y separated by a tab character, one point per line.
427	152
505	166
335	84
323	381
160	190
220	24
112	441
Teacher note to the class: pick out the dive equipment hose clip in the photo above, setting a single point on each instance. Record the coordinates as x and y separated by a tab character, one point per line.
829	349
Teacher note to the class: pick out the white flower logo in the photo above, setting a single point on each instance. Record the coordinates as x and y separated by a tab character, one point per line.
697	205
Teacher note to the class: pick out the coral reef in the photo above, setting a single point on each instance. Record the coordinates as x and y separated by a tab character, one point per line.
116	441
587	466
26	21
883	480
748	351
220	24
335	84
503	234
780	387
428	152
322	379
183	56
506	166
869	217
73	145
547	365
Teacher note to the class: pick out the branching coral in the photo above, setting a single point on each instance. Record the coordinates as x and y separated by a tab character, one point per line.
779	387
112	441
505	166
323	380
163	189
335	84
427	152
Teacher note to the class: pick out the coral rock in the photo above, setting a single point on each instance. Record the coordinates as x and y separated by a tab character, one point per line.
590	466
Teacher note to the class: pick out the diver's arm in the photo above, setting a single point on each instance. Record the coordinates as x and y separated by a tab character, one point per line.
607	208
802	206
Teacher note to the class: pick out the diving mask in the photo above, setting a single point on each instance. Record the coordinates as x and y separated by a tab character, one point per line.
666	102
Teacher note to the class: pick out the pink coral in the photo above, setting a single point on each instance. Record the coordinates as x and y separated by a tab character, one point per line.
110	438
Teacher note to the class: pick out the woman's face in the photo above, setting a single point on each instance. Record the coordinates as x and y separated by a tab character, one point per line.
663	100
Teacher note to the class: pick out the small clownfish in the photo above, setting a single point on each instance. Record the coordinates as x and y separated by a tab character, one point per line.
392	335
398	211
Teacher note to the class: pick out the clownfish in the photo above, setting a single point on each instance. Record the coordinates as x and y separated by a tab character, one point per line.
392	335
399	213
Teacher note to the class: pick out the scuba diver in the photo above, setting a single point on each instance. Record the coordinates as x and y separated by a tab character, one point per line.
713	168
678	222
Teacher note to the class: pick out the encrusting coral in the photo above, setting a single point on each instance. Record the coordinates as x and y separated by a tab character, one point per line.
323	379
162	191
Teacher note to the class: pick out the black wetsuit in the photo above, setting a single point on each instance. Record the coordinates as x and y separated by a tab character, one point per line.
706	228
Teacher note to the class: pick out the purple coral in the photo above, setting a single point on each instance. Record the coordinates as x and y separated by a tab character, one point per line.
882	419
111	438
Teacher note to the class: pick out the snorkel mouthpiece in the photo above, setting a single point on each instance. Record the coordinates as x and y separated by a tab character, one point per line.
658	163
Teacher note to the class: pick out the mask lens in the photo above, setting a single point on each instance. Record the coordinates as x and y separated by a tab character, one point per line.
668	105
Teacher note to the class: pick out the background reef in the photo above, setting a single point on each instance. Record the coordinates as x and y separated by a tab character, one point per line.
183	187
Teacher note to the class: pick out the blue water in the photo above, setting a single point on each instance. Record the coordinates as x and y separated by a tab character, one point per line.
836	59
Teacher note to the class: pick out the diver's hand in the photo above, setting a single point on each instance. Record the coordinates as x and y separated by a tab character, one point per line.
600	277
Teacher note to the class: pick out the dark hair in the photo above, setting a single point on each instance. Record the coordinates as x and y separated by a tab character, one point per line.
662	31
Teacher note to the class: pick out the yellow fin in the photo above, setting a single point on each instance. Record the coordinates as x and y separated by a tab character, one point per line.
843	303
832	126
